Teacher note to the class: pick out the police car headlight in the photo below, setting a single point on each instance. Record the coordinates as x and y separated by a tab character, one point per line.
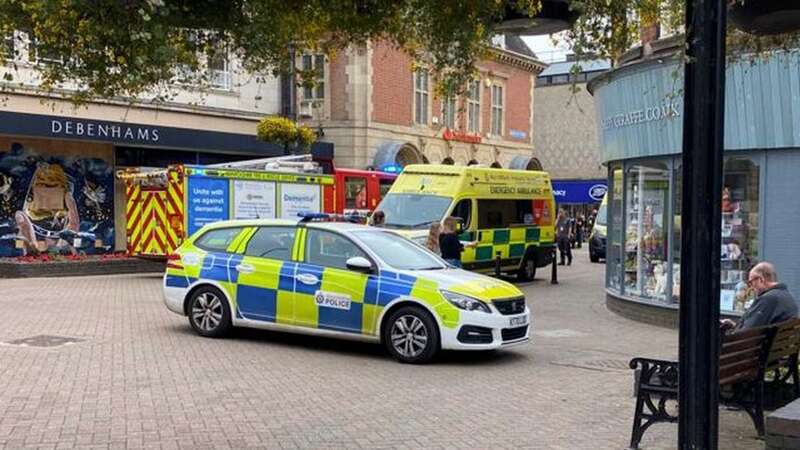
466	303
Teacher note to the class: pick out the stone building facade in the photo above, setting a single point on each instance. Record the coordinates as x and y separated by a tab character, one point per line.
379	111
566	137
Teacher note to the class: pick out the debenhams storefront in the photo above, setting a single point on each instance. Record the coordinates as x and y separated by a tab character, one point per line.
640	107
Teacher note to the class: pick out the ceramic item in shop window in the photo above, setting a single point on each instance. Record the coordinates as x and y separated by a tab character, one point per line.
726	299
727	230
726	200
733	251
660	276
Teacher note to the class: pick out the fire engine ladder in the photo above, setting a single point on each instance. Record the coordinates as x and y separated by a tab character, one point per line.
291	163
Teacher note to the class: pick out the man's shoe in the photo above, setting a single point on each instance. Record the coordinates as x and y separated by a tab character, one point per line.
560	264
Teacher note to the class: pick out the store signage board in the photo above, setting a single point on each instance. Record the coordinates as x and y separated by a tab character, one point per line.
664	111
579	192
299	198
253	199
517	134
460	136
208	201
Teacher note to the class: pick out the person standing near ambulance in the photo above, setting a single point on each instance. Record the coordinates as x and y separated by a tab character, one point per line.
449	244
563	237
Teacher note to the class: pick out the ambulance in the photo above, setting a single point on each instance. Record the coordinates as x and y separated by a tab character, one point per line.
510	214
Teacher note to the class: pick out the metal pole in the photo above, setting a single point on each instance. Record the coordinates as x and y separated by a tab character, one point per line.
704	95
554	270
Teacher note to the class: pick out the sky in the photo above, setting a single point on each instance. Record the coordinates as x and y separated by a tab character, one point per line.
544	48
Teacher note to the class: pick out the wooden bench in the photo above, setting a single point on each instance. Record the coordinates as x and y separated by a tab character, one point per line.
782	361
742	362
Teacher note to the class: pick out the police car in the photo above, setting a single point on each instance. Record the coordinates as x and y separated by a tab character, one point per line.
342	280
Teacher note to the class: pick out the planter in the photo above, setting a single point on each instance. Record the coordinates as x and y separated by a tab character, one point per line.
10	268
555	16
765	16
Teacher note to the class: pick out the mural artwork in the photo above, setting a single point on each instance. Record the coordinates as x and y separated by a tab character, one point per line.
54	204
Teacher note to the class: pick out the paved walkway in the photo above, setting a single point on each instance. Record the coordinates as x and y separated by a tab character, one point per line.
139	377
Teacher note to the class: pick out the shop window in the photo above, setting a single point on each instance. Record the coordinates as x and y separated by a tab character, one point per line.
421	92
497	110
474	107
614	261
314	64
676	231
355	193
449	113
504	213
272	243
740	212
645	247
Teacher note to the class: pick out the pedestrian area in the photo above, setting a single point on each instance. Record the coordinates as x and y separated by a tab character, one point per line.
98	362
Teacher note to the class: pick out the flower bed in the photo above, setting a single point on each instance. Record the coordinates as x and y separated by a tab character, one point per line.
55	265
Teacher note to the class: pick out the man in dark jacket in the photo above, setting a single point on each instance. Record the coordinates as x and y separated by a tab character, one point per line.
773	303
563	237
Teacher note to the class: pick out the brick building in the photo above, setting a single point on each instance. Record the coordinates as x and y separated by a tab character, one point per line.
379	112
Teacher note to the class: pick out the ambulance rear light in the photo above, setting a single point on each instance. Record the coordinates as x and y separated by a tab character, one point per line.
174	261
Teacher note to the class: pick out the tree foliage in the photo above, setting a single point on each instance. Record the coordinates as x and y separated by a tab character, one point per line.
127	48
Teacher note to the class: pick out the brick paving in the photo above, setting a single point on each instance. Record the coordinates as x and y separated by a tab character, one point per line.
140	378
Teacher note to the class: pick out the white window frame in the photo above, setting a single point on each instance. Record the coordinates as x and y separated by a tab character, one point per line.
316	93
220	78
449	112
10	45
498	110
33	54
421	79
474	107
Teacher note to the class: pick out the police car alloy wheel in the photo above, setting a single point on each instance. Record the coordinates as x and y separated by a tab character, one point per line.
411	335
209	314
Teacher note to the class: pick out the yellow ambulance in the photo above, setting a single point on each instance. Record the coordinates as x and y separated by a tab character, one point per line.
510	214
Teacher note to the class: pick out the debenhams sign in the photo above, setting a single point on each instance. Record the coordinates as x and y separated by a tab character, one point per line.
667	110
117	132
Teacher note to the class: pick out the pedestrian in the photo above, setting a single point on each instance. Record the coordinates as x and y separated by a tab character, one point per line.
432	243
449	244
563	237
773	303
580	224
378	218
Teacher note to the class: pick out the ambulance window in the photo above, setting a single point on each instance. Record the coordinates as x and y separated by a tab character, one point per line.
272	243
355	193
324	248
503	213
385	186
463	210
217	240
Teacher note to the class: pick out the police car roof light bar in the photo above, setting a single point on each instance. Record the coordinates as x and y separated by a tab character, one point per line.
326	217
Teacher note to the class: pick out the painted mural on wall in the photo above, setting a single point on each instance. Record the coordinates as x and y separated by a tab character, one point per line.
61	204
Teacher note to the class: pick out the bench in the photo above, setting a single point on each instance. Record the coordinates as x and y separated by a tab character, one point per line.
742	363
782	361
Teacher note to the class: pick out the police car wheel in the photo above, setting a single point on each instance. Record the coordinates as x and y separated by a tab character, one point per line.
209	314
411	335
527	271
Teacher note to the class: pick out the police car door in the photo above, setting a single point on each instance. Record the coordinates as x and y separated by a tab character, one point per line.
265	285
327	294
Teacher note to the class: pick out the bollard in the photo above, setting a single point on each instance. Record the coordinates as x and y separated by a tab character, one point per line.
554	271
497	265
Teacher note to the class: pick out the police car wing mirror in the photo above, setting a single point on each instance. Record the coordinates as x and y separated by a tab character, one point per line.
359	264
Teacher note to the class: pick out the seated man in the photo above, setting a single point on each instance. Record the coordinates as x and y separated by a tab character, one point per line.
773	304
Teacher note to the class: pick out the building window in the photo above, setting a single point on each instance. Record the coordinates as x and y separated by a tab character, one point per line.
421	94
314	64
40	55
497	110
219	70
8	47
449	112
474	107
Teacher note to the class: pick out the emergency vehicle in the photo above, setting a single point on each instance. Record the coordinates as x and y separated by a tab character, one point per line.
165	206
340	280
510	214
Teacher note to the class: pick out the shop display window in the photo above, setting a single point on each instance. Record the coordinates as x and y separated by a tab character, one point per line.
614	238
645	261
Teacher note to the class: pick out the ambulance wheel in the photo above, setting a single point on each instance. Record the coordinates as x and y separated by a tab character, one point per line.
209	313
527	271
411	335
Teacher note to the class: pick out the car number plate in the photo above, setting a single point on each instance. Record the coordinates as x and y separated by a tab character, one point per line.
518	321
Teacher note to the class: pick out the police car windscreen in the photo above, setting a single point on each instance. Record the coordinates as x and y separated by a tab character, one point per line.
399	252
413	210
